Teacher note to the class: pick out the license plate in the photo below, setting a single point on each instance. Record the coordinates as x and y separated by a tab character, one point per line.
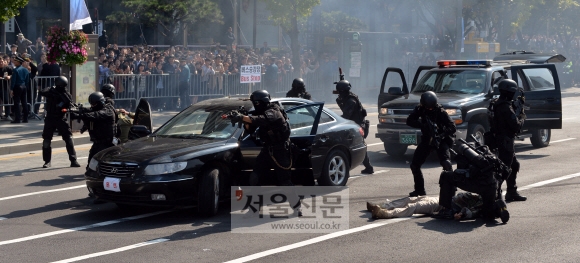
408	138
112	184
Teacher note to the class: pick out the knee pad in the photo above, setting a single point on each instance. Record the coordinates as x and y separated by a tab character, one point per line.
46	143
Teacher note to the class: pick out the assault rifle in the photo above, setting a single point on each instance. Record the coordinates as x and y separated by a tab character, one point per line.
241	110
485	160
79	109
518	104
434	136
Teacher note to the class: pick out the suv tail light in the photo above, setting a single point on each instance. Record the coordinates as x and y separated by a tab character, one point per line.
361	131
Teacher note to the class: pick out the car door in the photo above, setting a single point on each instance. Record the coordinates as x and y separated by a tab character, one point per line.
421	70
543	96
303	120
395	83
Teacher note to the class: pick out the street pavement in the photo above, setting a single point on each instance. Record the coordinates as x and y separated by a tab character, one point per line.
46	216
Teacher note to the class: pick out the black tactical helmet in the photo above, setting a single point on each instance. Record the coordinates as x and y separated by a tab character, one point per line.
429	99
298	83
260	95
343	86
97	98
507	85
108	90
61	82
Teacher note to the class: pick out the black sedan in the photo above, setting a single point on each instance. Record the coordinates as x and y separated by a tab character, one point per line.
197	156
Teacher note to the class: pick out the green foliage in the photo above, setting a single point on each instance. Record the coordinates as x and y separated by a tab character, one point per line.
121	17
173	15
287	13
9	8
339	22
283	11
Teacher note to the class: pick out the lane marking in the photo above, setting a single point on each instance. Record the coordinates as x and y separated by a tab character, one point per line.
317	240
563	140
374	144
43	192
363	175
3	218
82	158
80	228
121	249
367	227
570	118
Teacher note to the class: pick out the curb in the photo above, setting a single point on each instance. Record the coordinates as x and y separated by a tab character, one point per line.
57	142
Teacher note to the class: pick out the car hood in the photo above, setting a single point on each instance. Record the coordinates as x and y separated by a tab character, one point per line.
446	99
157	150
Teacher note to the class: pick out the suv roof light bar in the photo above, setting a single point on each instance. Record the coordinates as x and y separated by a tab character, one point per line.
447	63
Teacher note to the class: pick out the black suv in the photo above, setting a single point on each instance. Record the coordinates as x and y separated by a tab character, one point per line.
464	88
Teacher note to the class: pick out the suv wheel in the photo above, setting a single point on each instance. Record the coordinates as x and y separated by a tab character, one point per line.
541	138
395	149
477	130
335	171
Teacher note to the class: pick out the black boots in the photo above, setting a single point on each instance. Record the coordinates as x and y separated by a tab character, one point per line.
514	195
417	193
46	154
368	171
74	163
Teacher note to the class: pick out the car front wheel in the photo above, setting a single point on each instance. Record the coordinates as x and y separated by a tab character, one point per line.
541	138
209	193
336	170
477	130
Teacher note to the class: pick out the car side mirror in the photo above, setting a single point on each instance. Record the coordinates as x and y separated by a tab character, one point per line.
396	91
138	131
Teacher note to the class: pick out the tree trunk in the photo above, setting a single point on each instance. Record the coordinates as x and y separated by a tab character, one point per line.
126	28
295	45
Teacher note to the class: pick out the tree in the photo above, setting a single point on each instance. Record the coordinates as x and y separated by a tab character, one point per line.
171	17
9	9
559	19
339	22
122	18
440	15
286	14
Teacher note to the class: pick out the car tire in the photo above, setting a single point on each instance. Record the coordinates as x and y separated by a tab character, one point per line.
335	171
477	130
209	193
541	138
395	149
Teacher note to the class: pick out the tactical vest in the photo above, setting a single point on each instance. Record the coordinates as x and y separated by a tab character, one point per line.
277	129
359	113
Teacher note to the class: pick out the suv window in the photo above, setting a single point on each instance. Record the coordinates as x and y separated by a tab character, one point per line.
456	81
540	79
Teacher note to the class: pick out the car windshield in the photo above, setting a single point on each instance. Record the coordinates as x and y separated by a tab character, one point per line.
203	123
456	81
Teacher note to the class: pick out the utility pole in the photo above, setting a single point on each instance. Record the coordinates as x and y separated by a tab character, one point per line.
255	22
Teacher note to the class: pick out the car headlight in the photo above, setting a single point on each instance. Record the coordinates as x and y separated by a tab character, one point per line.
383	111
164	168
93	164
452	112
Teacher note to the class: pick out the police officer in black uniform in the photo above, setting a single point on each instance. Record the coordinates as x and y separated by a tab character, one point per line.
100	122
353	110
505	125
298	90
58	100
108	91
274	132
480	173
430	114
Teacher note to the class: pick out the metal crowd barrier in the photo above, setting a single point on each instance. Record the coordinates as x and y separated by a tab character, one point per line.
7	101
